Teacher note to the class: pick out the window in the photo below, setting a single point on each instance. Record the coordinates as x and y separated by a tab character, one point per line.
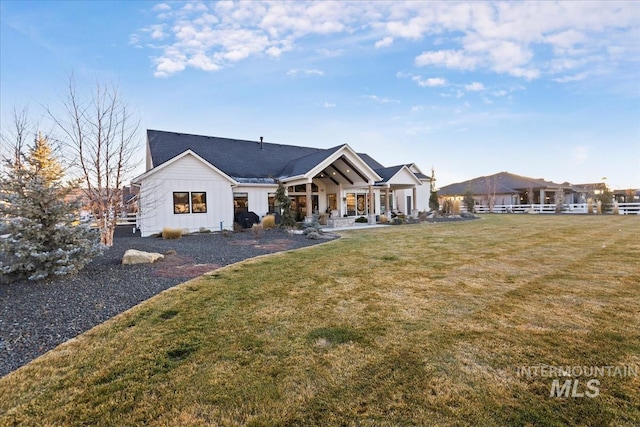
332	201
274	206
199	202
302	188
185	202
180	203
240	202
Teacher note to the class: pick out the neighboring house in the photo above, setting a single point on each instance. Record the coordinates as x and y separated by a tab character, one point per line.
195	182
629	195
130	199
506	188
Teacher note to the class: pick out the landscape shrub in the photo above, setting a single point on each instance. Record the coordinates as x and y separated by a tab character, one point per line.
469	201
171	233
383	219
447	207
268	222
455	208
257	230
362	220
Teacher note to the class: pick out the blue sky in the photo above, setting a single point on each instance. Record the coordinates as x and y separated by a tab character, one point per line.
542	89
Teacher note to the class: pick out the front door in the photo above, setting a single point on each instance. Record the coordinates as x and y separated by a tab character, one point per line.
409	205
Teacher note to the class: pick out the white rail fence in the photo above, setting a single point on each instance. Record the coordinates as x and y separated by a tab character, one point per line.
129	219
576	208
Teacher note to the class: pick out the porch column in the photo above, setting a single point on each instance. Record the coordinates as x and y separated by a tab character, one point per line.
387	203
372	213
414	212
542	196
309	217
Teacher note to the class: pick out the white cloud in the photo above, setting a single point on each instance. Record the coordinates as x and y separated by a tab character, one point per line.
306	72
328	105
161	7
573	78
448	58
474	87
429	82
387	41
580	154
527	40
381	100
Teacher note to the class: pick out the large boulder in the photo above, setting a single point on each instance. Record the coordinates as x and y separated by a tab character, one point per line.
134	256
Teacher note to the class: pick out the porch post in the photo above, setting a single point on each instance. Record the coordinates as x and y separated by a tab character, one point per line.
387	203
309	217
372	213
414	213
542	197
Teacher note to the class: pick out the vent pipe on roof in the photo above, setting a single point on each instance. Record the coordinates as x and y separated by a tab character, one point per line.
261	146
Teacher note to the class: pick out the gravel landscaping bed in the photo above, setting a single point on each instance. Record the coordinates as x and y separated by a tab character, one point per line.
35	317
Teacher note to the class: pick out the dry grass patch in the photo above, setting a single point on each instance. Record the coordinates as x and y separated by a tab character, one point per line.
413	325
172	233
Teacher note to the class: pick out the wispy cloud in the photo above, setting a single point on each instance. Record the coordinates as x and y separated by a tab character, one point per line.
328	105
526	40
306	72
474	87
381	100
580	154
387	41
429	82
161	7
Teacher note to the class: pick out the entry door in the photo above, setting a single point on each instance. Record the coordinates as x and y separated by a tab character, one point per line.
409	206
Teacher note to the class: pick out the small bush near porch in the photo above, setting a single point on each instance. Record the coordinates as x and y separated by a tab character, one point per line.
426	324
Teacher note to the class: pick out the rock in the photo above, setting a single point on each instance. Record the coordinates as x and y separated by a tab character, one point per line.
310	230
134	256
314	235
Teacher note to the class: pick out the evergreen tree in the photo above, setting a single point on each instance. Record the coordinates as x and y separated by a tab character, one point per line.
287	218
43	239
469	201
605	197
434	204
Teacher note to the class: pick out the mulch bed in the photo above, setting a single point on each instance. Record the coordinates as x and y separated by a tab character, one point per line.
35	317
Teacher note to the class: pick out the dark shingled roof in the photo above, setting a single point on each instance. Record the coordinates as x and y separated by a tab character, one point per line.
388	173
302	165
250	161
237	158
504	182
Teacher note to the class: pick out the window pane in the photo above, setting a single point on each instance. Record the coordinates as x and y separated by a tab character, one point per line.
180	203
273	204
241	202
198	202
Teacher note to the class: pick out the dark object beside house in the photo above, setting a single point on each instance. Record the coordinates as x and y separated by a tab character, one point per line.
246	219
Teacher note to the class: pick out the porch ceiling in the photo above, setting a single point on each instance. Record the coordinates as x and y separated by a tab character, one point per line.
342	172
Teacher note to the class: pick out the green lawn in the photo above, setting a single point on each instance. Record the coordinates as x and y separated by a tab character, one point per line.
424	324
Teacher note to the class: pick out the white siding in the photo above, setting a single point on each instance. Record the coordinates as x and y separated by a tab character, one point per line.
186	174
258	197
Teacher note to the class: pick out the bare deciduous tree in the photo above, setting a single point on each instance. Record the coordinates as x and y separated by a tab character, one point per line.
102	135
491	185
13	137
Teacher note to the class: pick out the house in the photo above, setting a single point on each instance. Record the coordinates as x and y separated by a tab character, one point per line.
506	188
194	182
